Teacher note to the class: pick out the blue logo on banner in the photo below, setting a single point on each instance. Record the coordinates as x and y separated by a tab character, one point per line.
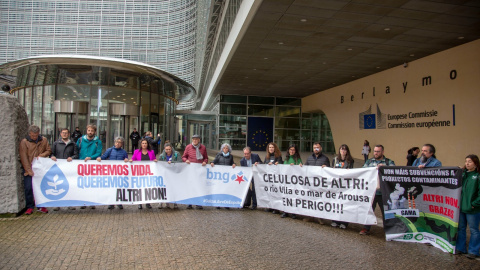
54	184
239	178
369	121
224	177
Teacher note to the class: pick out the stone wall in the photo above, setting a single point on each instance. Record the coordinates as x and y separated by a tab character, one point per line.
13	128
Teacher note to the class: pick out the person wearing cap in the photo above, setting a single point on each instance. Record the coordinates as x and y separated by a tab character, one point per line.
195	153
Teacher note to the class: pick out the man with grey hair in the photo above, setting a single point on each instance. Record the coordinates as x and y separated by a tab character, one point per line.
250	159
33	146
115	153
195	153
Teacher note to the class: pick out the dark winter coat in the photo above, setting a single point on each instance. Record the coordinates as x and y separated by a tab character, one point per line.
221	160
60	150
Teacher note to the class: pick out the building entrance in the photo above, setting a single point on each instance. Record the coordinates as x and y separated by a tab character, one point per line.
122	119
204	129
70	114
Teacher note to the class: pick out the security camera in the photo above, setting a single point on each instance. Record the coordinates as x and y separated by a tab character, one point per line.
405	64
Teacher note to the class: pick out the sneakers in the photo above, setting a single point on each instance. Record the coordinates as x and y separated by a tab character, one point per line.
472	256
29	211
364	232
284	215
120	206
110	207
56	208
43	210
342	226
71	208
148	206
334	224
199	207
83	207
92	207
189	206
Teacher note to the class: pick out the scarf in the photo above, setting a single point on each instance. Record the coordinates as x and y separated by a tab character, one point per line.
226	155
197	151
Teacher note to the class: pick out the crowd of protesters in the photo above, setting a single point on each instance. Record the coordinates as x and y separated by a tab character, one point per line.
89	147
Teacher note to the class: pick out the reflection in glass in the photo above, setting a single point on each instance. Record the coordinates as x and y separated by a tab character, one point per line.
287	123
240	120
233	99
74	74
287	112
37	106
260	110
40	77
28	103
98	112
21	97
289	101
145	112
287	134
237	109
31	75
261	100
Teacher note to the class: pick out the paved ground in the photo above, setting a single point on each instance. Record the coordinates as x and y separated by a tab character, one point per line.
202	239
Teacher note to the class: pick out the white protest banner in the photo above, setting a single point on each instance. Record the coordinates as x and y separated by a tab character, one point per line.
336	194
79	183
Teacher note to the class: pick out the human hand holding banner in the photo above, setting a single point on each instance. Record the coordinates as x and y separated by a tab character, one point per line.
79	183
422	205
336	194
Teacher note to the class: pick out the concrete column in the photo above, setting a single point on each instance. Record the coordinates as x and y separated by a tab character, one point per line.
13	128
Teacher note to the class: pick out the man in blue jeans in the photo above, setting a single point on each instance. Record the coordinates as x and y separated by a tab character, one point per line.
378	160
33	146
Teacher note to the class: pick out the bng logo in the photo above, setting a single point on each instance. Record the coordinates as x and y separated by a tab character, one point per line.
369	120
54	184
226	177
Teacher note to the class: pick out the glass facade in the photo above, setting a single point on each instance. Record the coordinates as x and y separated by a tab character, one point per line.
161	33
291	126
116	100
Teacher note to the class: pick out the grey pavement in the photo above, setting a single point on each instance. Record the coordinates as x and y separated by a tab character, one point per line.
202	239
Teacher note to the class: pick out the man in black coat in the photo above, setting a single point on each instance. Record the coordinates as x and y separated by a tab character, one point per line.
250	160
317	158
134	137
77	134
153	143
64	148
